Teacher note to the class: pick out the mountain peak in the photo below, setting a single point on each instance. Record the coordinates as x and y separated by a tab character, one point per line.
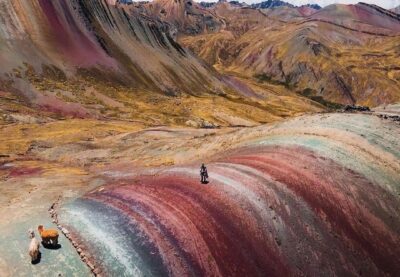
271	4
312	6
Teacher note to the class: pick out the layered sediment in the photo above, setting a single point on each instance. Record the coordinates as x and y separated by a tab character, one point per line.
301	198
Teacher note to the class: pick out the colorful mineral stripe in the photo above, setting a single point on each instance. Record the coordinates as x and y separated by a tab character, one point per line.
322	201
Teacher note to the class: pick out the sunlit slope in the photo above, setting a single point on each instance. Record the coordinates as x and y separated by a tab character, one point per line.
363	17
346	54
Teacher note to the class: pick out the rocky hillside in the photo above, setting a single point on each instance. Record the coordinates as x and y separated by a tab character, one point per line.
53	41
104	59
343	53
363	17
188	16
66	36
270	4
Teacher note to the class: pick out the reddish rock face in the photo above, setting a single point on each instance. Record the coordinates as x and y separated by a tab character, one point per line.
68	36
24	171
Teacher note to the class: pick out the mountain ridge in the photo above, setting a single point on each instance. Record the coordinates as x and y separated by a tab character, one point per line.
308	52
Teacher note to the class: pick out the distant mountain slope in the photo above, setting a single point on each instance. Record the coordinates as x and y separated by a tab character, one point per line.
360	15
312	6
277	3
345	54
271	4
188	16
307	10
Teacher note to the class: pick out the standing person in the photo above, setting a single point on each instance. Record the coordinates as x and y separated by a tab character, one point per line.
203	174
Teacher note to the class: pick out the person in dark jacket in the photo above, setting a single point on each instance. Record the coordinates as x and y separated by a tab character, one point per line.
203	174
